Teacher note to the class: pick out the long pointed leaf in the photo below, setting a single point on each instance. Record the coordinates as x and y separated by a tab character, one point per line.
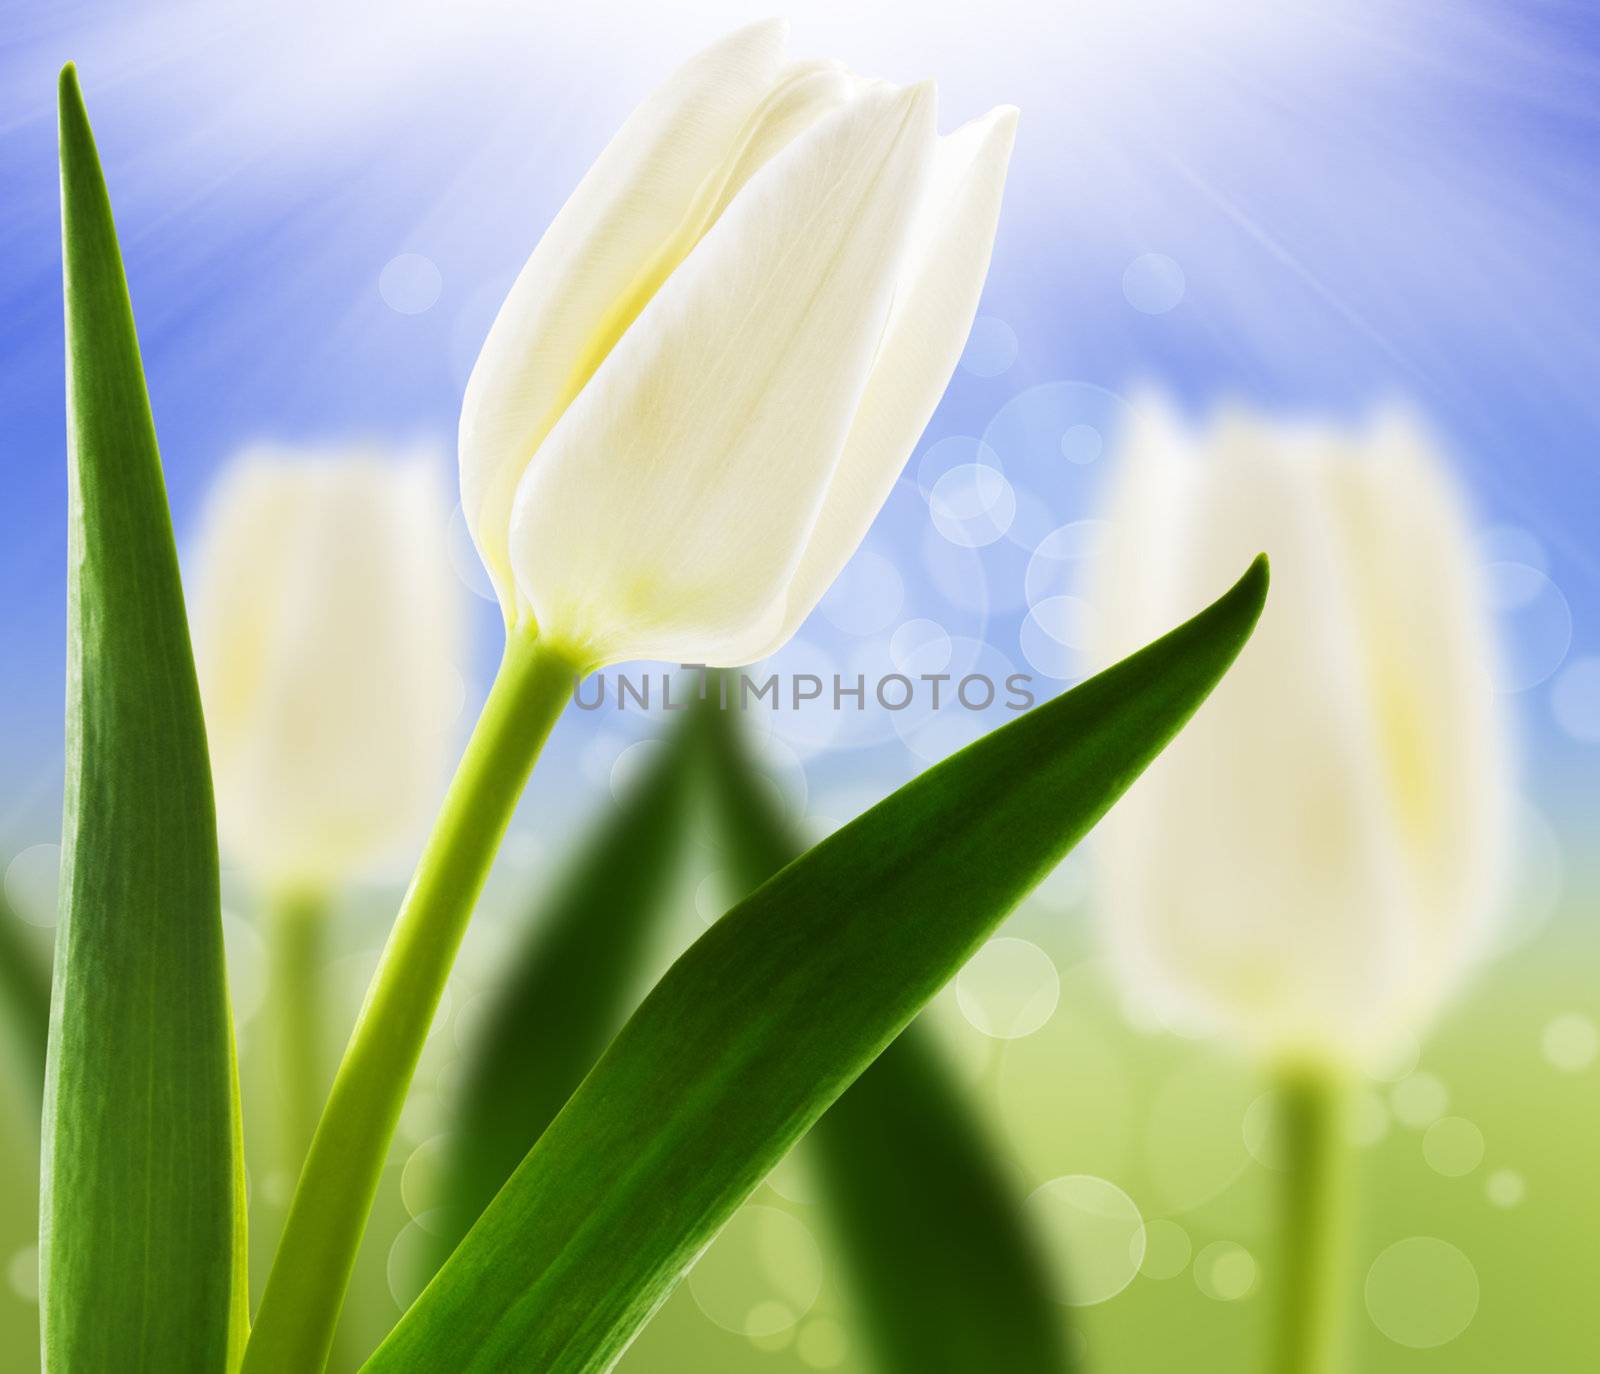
569	991
942	1271
774	1011
139	1202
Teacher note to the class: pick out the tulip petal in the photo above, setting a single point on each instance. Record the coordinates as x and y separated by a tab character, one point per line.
1271	906
1428	652
670	504
562	315
326	621
935	301
803	95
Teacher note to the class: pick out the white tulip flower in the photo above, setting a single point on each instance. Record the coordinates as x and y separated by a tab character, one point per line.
708	375
1311	866
691	406
326	620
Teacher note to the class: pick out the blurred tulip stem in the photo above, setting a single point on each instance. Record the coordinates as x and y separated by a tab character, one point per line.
305	1290
1315	1220
296	928
297	931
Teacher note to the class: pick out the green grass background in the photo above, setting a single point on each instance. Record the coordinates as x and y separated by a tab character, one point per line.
1088	1093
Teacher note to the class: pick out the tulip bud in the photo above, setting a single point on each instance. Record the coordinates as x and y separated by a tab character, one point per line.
1311	865
707	377
326	617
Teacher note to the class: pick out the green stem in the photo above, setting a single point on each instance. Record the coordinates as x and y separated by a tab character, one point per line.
1315	1222
305	1290
296	926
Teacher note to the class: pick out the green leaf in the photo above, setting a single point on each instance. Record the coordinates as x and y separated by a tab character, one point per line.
569	991
942	1271
774	1011
141	1179
24	1010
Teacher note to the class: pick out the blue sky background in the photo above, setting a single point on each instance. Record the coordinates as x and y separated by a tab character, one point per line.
1310	208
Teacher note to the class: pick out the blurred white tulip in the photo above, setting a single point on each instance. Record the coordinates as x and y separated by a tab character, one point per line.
326	620
1312	864
706	379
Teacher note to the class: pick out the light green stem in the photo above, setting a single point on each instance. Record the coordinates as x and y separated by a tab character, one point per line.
305	1290
1315	1222
296	926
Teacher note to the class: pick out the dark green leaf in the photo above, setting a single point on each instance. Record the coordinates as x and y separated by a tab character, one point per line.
140	1200
570	990
942	1272
774	1011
